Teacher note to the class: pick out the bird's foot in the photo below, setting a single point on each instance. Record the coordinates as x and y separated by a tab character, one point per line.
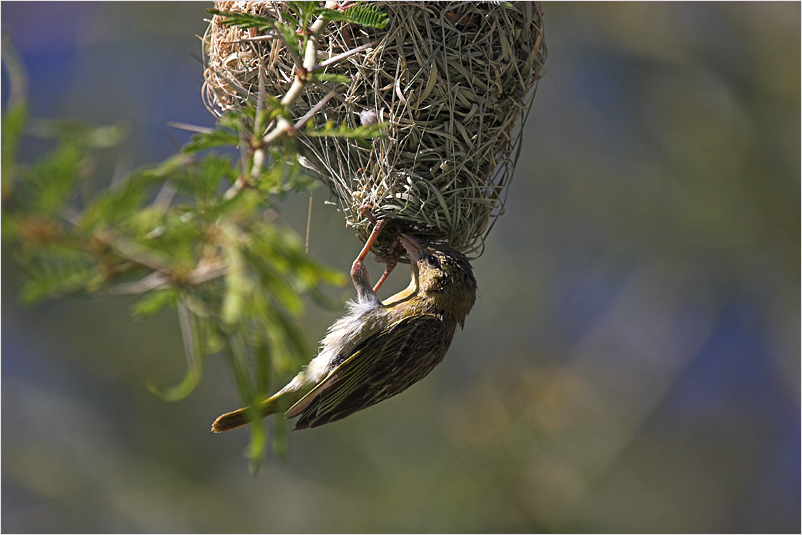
378	225
395	249
391	260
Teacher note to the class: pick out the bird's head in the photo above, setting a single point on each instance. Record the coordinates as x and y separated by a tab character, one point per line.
443	275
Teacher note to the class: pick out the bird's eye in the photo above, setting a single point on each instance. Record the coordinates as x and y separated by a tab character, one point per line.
433	261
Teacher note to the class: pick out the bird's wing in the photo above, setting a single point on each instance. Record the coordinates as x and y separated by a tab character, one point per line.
357	382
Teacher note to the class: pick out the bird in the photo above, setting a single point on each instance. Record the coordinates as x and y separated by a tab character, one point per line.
377	349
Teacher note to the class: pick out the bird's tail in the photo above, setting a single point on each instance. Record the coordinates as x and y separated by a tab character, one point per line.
231	420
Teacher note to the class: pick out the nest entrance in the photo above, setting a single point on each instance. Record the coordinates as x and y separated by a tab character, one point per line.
452	80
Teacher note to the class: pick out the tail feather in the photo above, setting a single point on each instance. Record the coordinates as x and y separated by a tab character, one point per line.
240	417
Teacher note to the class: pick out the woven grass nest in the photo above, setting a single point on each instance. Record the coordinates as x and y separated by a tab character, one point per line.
453	81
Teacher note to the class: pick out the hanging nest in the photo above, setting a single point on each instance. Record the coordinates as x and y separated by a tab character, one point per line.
453	81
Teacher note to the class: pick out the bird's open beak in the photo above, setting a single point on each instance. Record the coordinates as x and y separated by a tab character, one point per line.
413	246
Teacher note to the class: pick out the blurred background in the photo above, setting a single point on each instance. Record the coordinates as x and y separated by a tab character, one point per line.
632	363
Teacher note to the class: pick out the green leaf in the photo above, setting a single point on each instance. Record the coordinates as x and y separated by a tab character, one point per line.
74	132
172	240
301	12
363	14
154	303
203	178
234	119
256	447
173	166
236	349
213	340
236	287
290	37
52	179
207	140
55	270
112	207
13	123
359	134
209	172
192	347
179	391
243	20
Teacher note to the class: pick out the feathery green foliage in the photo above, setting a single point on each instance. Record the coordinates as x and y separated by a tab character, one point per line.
244	20
189	233
363	14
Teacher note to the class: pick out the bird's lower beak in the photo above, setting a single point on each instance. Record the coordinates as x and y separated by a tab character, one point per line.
413	246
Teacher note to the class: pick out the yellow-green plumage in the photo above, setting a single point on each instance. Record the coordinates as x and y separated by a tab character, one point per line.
378	349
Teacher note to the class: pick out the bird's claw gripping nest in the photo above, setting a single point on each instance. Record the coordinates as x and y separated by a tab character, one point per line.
395	250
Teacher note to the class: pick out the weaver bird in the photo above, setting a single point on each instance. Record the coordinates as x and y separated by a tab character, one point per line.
377	350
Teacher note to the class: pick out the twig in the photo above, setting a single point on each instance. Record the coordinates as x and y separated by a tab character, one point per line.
154	281
308	222
316	108
159	279
259	153
272	34
165	196
310	60
190	128
128	250
208	272
338	57
138	254
283	126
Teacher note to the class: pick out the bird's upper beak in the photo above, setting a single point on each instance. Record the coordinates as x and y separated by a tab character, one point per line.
413	246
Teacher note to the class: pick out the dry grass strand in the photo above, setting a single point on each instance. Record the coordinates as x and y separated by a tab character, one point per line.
454	82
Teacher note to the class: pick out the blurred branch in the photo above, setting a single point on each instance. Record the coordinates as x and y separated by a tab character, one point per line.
17	76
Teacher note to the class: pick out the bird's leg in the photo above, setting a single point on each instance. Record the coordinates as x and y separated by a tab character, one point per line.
395	249
391	260
359	275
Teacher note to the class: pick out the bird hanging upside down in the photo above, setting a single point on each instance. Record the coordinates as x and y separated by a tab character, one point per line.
377	350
